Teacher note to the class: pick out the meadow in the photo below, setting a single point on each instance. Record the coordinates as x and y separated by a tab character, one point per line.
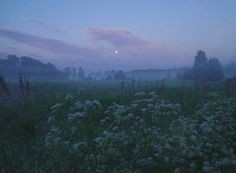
117	127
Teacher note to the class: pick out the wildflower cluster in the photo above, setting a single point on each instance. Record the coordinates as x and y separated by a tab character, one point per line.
205	141
146	135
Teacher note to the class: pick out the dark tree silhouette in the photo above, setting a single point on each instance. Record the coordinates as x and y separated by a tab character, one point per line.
214	71
119	75
81	74
230	69
67	72
204	69
34	69
199	66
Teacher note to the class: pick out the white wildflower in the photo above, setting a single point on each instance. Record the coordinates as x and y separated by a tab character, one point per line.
68	97
140	94
56	106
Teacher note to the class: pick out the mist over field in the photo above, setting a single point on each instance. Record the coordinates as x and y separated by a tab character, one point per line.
128	86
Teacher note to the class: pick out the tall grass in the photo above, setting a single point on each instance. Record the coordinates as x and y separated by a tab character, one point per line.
23	124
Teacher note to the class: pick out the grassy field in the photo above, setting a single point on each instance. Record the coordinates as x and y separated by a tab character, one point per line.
113	126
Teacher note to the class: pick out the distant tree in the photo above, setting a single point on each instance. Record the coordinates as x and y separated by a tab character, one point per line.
12	67
214	71
109	77
38	70
81	74
66	71
199	66
12	60
230	69
119	75
50	67
204	70
200	59
73	75
179	75
32	67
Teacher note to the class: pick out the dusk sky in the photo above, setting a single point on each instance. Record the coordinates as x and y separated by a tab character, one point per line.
118	34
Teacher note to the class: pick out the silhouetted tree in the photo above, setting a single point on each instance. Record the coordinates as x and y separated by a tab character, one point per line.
199	66
214	71
204	70
179	75
13	66
67	72
109	77
119	75
81	74
230	69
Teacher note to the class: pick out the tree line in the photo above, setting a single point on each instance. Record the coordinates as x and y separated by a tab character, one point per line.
208	69
13	67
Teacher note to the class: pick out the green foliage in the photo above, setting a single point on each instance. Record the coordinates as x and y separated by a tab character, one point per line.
92	127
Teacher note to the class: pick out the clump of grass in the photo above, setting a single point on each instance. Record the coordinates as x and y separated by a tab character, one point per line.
3	88
24	124
23	89
231	86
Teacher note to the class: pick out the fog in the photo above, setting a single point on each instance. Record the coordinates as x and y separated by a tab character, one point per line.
118	86
118	35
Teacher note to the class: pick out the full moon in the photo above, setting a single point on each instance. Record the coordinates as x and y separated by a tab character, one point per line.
116	51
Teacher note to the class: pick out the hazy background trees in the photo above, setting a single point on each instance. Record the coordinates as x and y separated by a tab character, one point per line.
204	69
81	74
119	75
230	69
12	67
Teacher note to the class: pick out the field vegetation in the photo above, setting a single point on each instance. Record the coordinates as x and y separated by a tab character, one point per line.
117	126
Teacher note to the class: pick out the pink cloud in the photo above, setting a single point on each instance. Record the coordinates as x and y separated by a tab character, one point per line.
117	37
133	50
46	44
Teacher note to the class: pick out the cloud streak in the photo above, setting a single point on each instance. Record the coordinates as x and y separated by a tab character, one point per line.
131	45
117	37
133	50
45	25
50	45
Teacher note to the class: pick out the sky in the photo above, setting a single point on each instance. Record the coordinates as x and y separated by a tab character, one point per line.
118	34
